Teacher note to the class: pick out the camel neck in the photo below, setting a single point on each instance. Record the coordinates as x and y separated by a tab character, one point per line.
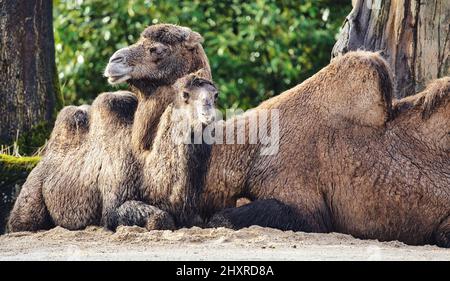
151	106
146	92
184	166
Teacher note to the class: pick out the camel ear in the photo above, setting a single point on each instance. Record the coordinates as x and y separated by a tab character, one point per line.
203	73
193	40
357	89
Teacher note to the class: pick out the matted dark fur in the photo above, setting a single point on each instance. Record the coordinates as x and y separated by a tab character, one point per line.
89	168
266	213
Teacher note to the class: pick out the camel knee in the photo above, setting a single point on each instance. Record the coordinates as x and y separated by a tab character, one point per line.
160	220
144	215
265	213
28	217
16	223
30	212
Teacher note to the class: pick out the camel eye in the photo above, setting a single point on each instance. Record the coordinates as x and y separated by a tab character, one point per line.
153	49
216	95
185	96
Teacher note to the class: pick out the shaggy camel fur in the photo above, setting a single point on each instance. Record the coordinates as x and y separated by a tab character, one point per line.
173	172
89	168
345	164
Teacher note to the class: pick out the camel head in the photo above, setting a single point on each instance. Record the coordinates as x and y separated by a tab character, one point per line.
164	53
196	98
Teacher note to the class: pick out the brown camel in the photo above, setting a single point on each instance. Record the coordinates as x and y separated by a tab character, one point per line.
172	171
347	161
88	169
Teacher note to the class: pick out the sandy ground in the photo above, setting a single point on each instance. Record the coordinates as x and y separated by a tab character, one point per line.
254	243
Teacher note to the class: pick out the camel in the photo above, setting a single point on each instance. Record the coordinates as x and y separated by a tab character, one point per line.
173	170
89	168
348	160
425	113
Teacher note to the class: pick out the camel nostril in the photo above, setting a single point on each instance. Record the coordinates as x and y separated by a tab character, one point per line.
116	59
160	50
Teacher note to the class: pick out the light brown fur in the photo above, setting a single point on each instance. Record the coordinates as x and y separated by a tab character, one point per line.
345	164
430	112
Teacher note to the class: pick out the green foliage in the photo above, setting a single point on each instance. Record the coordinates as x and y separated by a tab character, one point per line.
30	142
13	173
13	163
256	48
14	170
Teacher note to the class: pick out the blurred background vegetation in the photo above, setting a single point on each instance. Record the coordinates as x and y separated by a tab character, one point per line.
256	48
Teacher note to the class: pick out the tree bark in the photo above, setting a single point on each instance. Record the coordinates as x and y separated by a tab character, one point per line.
413	35
28	81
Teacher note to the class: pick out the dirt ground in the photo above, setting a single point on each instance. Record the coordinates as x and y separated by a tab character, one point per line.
254	243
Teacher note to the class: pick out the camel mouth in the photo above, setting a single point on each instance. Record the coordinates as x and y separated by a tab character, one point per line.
113	80
206	119
117	73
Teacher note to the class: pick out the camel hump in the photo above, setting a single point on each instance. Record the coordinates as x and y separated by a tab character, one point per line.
74	117
71	125
435	96
358	89
114	108
432	110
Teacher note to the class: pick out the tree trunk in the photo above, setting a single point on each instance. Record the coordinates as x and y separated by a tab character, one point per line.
413	35
28	81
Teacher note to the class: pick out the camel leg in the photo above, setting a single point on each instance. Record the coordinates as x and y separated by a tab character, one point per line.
144	215
265	213
442	234
29	212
